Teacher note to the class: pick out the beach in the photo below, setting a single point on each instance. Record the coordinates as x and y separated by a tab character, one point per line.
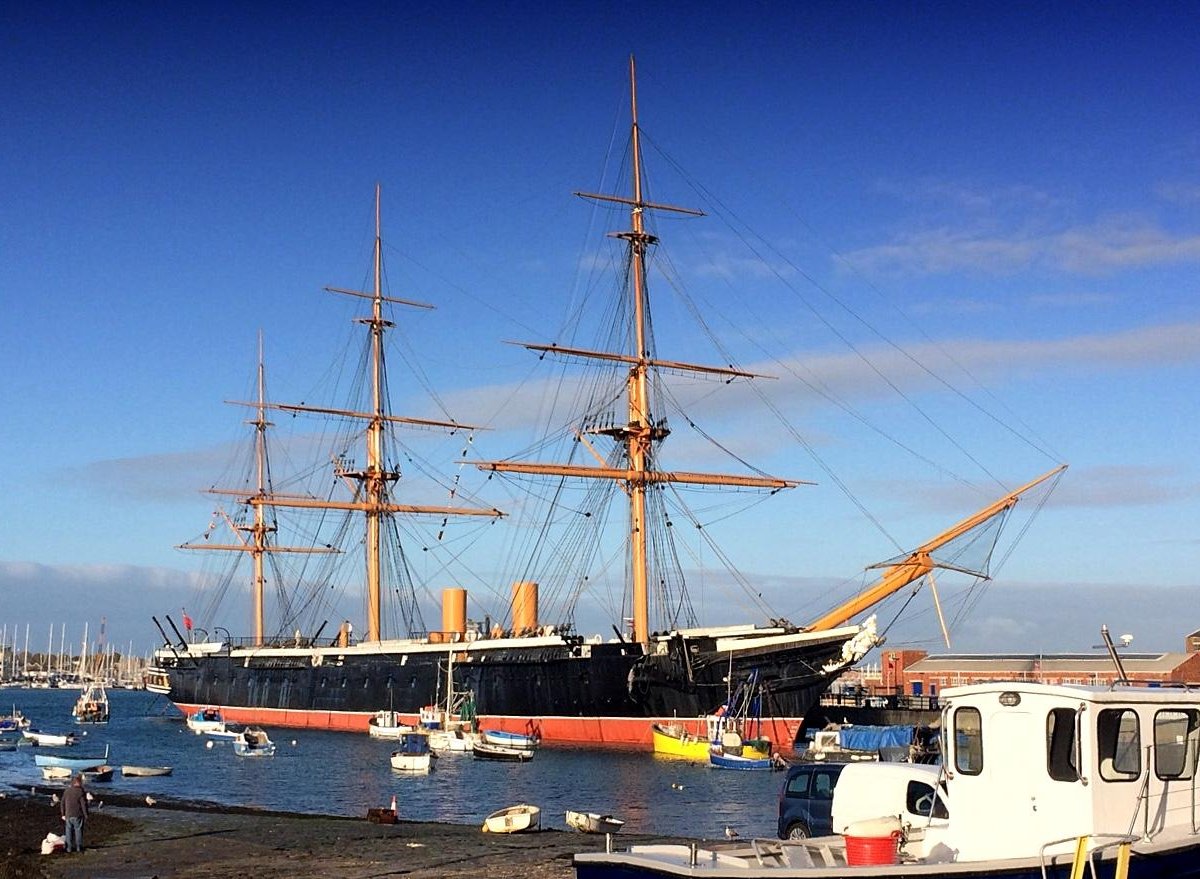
128	839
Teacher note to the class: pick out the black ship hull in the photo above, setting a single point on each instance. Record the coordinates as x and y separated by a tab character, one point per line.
562	688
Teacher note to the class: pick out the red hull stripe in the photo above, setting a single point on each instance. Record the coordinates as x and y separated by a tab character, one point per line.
601	731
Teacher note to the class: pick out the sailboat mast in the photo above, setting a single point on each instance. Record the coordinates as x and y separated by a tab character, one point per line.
374	482
639	436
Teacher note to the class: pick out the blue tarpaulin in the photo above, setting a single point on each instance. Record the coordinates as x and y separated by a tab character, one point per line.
873	738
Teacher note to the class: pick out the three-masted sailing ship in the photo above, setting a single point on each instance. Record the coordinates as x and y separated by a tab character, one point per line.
526	676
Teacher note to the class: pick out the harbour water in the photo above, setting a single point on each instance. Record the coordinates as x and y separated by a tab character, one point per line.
345	774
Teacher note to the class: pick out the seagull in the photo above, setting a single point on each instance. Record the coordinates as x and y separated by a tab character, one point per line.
89	796
150	801
100	805
730	833
54	798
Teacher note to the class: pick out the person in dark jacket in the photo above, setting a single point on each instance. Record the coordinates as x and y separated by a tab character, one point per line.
74	811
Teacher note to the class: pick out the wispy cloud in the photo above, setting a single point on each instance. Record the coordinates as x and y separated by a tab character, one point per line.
1103	247
1178	192
1077	299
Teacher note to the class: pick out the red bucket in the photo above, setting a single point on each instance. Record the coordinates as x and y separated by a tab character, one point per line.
871	851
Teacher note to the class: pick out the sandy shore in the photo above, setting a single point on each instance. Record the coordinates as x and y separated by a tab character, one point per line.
127	839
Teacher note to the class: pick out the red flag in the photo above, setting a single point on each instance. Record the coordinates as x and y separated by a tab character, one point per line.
187	621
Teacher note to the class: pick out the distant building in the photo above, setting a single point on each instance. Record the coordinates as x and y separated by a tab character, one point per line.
913	672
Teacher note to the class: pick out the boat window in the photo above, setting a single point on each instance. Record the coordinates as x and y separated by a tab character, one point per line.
1176	738
1060	745
1119	744
921	800
968	741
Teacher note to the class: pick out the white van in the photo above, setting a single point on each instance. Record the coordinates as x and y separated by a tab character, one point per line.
914	792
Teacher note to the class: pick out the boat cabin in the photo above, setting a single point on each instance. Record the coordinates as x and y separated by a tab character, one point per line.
1030	763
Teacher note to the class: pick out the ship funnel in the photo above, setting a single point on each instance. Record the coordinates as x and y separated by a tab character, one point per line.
454	613
524	606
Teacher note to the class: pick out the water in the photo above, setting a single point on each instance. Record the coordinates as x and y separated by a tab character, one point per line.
345	774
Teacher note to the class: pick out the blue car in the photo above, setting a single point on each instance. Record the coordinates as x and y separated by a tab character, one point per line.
806	800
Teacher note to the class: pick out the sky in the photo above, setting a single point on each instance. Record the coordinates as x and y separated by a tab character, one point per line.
968	234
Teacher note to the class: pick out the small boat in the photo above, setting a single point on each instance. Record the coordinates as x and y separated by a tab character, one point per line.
15	722
675	740
98	773
56	773
231	731
485	751
206	720
92	705
720	759
43	739
387	725
453	741
77	763
1125	750
510	739
144	771
253	743
592	822
514	819
413	754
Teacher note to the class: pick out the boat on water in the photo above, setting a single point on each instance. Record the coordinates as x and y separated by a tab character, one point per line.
206	720
1040	781
145	771
453	741
487	751
92	705
14	722
524	674
45	739
100	773
412	753
593	822
72	761
253	742
56	773
387	725
514	819
523	741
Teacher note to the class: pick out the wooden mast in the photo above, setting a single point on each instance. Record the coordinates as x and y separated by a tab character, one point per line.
640	433
373	479
921	561
259	531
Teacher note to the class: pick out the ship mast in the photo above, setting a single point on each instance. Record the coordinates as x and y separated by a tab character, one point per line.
920	561
373	481
640	434
258	545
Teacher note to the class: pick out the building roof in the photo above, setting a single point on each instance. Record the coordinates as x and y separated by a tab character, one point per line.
1047	663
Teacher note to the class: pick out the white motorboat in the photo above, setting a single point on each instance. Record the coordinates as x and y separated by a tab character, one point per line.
1039	780
206	720
387	725
412	753
453	741
253	742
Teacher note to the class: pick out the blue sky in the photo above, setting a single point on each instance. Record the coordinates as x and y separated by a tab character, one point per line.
1008	196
